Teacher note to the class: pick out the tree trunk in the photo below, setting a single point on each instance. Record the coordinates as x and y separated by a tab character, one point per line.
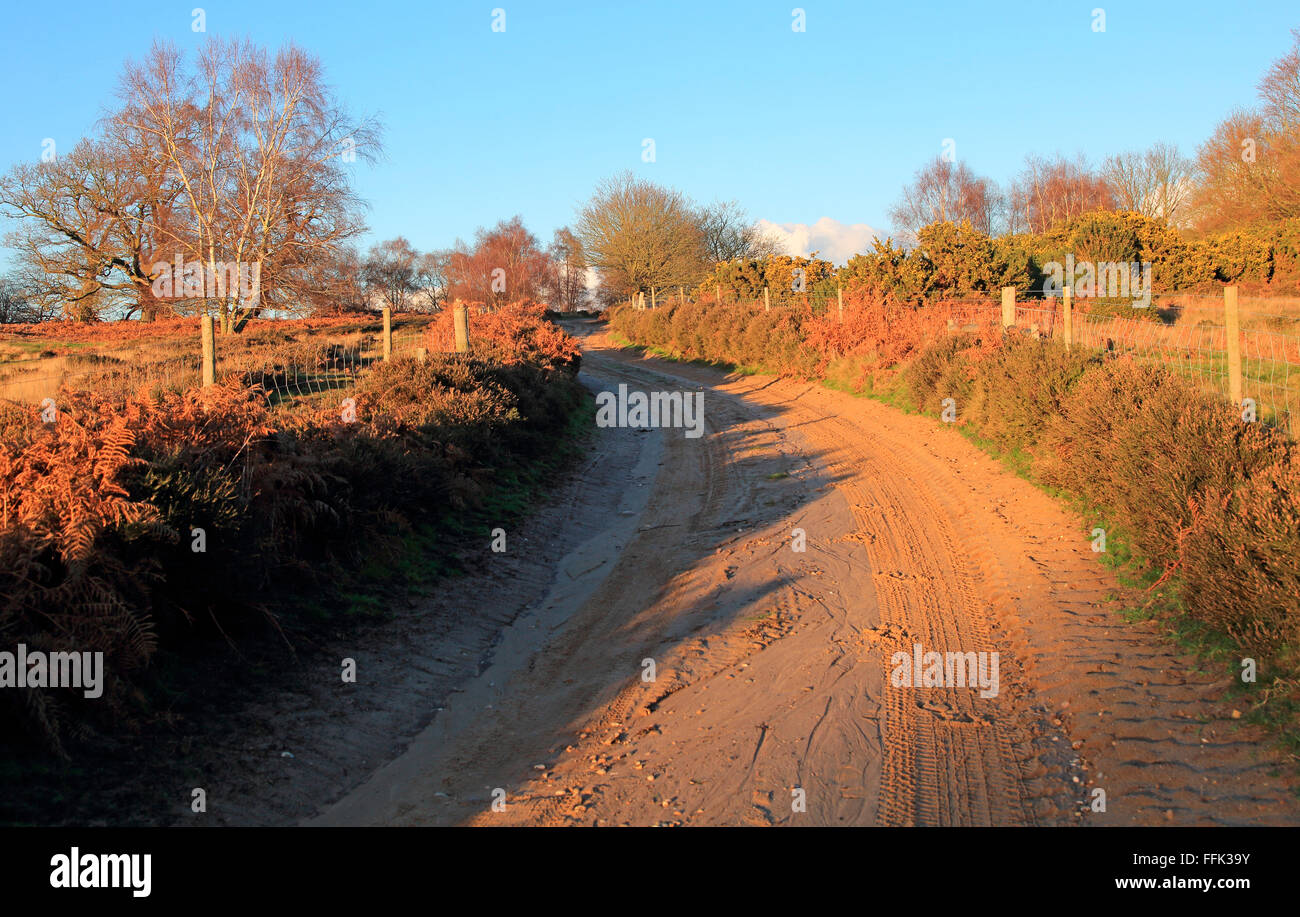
149	305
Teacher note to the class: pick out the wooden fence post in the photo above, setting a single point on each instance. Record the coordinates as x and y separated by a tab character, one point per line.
717	292
767	300
654	303
839	295
1067	318
461	316
1232	327
388	334
1008	306
681	297
209	350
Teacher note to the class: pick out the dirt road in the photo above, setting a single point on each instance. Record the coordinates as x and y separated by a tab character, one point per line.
772	699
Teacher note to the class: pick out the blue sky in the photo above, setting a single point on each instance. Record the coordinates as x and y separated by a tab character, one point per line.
827	123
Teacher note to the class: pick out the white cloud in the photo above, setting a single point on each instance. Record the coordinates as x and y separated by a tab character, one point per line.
831	239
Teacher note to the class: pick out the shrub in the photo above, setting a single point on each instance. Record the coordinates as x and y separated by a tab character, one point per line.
1146	443
1240	561
940	371
1209	503
515	333
98	509
1017	388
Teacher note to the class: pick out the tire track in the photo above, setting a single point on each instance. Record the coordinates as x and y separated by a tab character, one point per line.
964	554
773	703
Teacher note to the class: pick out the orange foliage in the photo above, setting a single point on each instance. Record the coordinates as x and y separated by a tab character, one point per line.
889	333
131	330
512	334
99	503
65	486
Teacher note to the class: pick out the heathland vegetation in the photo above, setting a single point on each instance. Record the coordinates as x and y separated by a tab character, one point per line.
141	521
143	513
1198	498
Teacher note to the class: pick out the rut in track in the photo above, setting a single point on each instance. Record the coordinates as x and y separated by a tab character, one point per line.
772	701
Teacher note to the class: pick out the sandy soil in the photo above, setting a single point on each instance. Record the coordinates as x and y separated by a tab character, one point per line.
287	737
772	701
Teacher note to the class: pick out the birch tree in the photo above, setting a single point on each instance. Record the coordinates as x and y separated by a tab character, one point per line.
257	149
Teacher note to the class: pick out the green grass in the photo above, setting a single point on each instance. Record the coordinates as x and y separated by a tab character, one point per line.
1015	459
40	345
364	604
1259	380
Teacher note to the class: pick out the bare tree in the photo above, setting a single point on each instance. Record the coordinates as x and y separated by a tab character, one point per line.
1049	191
1155	183
505	263
1280	88
639	235
1248	171
17	302
333	283
239	162
432	281
945	192
390	271
94	221
255	148
569	292
727	233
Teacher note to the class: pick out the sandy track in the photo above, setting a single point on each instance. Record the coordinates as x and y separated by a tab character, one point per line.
772	667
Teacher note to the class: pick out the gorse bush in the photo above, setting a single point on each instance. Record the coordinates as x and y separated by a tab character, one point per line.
745	278
956	260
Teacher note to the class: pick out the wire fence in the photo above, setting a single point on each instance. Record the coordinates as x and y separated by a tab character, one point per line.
1265	370
289	365
1187	333
1260	375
